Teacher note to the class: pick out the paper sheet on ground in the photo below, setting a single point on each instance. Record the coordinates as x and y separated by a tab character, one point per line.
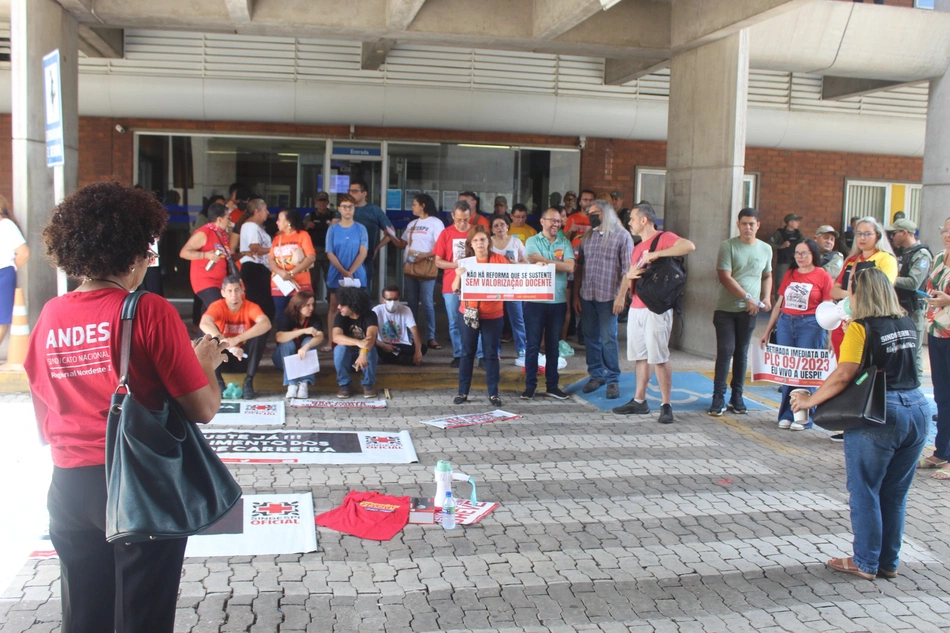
455	421
327	403
241	446
260	525
296	368
243	413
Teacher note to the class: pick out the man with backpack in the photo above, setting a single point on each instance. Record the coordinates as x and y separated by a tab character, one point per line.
649	323
915	261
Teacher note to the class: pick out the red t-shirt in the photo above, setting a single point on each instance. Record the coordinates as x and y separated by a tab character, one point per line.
488	309
202	279
481	220
234	323
451	247
667	240
802	292
283	248
577	222
371	515
73	367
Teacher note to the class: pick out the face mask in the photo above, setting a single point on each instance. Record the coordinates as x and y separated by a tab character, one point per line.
594	221
390	305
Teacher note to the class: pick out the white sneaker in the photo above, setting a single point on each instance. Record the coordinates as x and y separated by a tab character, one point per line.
291	391
795	426
302	391
784	424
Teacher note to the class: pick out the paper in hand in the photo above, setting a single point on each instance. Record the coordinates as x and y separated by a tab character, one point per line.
350	282
297	368
284	285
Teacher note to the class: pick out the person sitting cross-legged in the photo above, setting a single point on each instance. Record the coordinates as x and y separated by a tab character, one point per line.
398	342
355	328
298	331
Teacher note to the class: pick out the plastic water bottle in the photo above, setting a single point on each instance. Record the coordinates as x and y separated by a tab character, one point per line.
448	512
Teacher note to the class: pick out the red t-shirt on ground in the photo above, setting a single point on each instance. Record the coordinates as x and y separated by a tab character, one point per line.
802	292
202	279
234	323
667	239
73	367
451	247
371	515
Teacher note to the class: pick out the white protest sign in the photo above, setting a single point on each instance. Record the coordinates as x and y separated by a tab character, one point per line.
795	366
508	282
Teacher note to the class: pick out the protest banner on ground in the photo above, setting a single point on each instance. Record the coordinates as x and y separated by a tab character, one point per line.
327	403
471	419
241	413
260	525
422	511
240	446
507	282
795	366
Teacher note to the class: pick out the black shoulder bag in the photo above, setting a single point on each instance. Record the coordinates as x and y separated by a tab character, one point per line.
661	285
863	403
164	481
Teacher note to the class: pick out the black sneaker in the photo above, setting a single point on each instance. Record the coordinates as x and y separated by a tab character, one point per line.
527	394
556	393
593	385
717	407
455	362
632	408
837	437
613	391
249	388
666	414
737	404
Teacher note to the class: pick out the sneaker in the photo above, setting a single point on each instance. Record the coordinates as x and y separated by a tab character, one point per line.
737	404
303	391
593	385
556	393
344	392
837	437
613	391
527	394
291	391
495	400
632	408
249	388
717	407
369	392
784	424
461	398
455	362
666	414
795	426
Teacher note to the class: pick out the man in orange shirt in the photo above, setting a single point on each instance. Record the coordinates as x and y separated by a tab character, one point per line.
474	203
244	326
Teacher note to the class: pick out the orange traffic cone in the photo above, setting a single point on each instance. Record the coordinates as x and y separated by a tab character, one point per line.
19	335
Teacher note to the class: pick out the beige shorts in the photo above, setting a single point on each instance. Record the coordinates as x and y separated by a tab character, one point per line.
648	335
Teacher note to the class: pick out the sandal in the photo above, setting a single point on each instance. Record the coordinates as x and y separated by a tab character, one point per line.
847	566
942	474
434	344
930	462
461	398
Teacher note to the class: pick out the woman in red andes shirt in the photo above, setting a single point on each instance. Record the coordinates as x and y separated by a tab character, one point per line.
101	235
490	319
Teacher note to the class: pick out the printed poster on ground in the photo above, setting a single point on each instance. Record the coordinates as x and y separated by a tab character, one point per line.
794	366
243	413
240	446
471	419
507	282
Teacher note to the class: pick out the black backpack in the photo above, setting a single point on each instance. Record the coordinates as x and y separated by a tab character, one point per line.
661	285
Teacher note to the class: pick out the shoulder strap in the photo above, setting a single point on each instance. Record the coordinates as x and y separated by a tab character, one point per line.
866	353
656	241
128	316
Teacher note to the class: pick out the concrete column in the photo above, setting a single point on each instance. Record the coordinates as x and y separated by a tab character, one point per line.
705	160
935	198
37	27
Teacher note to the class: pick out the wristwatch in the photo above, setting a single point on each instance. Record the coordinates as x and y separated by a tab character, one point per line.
748	296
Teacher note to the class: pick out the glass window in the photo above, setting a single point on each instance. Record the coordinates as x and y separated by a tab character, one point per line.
865	199
651	187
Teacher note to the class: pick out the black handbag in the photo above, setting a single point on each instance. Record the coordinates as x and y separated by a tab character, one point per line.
164	481
862	404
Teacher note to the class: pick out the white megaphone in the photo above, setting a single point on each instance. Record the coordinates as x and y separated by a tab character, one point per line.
443	482
830	314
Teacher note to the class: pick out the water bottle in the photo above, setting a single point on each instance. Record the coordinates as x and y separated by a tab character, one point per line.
448	512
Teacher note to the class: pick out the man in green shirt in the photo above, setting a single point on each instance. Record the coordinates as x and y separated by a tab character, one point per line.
745	274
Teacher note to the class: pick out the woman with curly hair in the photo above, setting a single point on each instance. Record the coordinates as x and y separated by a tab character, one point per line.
209	252
101	235
291	256
13	255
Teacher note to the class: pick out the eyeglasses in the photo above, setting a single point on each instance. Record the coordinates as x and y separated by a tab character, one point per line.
152	257
347	205
863	234
356	191
944	231
552	220
569	199
802	253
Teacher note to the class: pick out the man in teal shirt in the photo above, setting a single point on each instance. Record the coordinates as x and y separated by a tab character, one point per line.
745	275
547	247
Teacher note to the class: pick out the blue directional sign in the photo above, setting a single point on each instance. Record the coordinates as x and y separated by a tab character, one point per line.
55	154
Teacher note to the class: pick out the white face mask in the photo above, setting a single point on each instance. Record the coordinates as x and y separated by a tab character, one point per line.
390	305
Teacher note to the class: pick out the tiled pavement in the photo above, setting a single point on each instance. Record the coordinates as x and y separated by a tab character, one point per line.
606	523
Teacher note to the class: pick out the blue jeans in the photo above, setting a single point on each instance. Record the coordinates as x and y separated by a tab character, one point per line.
287	349
421	292
797	331
343	359
490	330
549	318
280	305
452	312
600	336
733	333
515	311
939	350
881	463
